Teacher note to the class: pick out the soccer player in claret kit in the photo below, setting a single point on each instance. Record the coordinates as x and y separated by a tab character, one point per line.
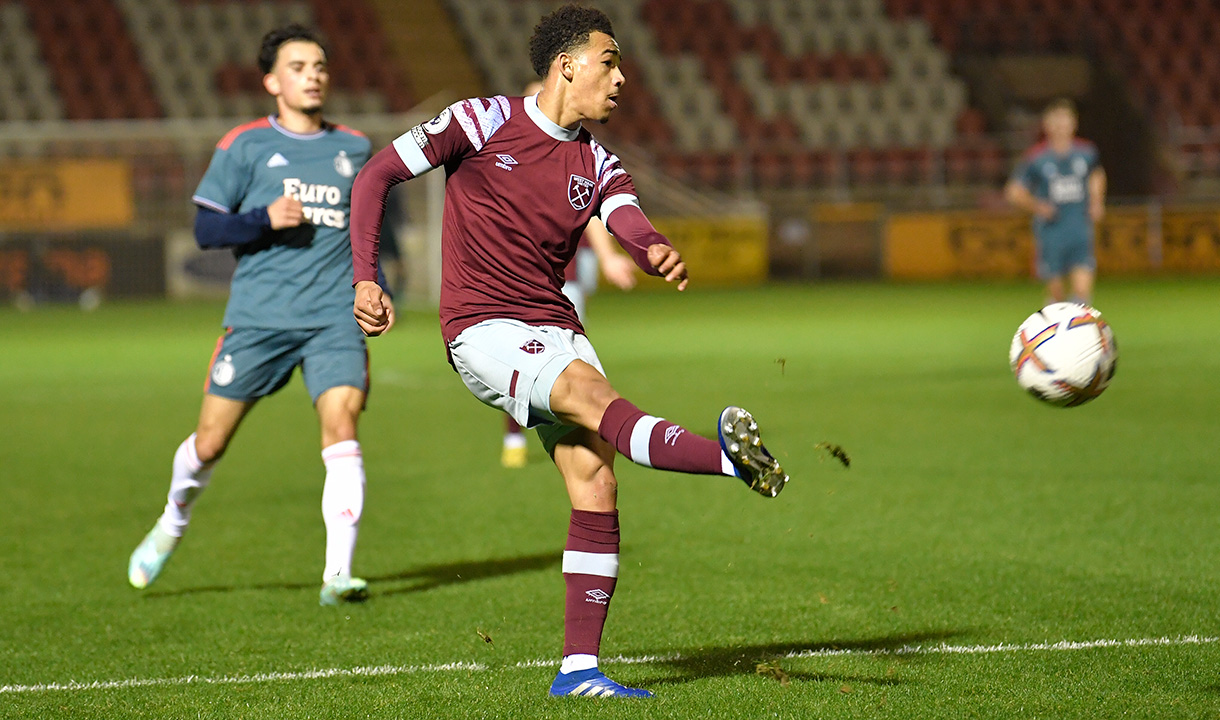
278	193
595	253
1062	184
596	248
523	179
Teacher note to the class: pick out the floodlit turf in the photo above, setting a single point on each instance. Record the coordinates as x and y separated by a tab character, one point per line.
973	518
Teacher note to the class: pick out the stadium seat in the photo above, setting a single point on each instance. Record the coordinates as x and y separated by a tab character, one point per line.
718	74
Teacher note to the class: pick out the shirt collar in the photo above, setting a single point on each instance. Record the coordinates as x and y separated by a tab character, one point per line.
545	124
275	123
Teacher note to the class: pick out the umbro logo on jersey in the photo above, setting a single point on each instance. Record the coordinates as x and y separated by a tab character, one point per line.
533	347
505	161
277	160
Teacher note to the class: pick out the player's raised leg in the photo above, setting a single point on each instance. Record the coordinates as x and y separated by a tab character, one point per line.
590	563
342	493
192	469
582	396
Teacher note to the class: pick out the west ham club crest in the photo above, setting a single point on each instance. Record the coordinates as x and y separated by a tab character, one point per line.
580	192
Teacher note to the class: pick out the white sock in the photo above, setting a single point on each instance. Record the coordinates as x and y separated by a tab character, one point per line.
342	505
573	663
189	478
514	440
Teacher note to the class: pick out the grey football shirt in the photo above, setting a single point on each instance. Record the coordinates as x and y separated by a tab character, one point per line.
296	277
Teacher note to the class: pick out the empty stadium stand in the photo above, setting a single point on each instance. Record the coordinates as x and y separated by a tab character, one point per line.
729	93
775	92
27	91
1163	51
111	59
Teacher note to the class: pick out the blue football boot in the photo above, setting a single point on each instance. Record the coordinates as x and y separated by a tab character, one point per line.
741	442
592	683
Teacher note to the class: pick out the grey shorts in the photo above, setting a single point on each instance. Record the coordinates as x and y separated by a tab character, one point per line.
1058	256
250	363
512	366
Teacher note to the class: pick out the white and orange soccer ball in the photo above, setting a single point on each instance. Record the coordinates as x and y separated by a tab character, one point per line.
1064	354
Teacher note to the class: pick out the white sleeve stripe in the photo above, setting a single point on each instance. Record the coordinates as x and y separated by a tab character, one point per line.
212	204
614	202
603	159
611	162
412	156
612	174
641	435
479	122
465	114
587	563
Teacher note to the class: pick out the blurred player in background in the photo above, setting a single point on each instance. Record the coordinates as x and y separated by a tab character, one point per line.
580	281
523	180
1060	182
278	192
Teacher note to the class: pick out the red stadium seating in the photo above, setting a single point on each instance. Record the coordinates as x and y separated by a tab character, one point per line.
779	94
92	59
102	69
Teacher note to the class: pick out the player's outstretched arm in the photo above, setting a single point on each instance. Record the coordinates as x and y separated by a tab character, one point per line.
618	268
651	250
668	262
369	193
373	309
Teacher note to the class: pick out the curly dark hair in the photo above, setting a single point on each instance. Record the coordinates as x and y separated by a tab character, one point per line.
275	39
565	30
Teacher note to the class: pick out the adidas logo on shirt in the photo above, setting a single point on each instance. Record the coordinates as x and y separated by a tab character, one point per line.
277	160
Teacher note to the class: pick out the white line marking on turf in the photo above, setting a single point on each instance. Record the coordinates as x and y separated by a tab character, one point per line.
243	679
944	649
390	670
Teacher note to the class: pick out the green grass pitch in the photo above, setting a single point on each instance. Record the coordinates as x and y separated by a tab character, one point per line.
975	529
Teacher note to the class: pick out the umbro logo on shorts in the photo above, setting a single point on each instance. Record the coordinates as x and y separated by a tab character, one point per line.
533	347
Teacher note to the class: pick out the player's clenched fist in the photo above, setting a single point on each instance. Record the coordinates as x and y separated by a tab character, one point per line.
373	310
285	212
669	263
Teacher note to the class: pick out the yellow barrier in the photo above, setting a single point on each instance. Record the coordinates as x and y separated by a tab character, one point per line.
974	244
68	195
1191	240
923	246
720	251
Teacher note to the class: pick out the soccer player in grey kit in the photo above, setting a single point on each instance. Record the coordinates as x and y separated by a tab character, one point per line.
523	179
278	192
1061	183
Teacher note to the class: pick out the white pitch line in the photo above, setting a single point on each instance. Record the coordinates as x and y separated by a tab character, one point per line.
943	649
391	670
243	679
